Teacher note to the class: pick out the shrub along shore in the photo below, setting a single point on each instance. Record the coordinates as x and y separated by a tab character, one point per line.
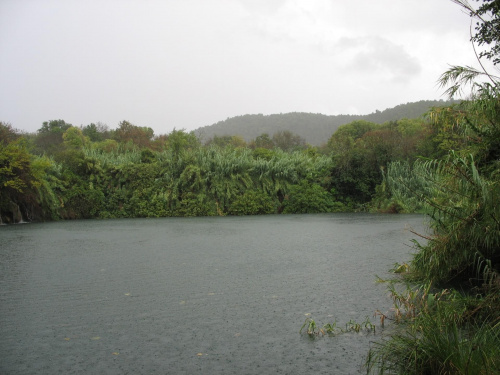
67	172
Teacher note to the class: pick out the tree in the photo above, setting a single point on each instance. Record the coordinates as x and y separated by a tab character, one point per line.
264	141
73	138
355	130
7	133
50	136
234	141
179	141
308	197
288	141
18	180
15	166
487	27
488	34
159	142
138	135
96	132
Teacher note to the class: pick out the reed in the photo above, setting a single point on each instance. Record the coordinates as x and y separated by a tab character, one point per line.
436	343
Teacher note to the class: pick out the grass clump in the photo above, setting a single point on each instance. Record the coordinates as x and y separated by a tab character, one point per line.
440	333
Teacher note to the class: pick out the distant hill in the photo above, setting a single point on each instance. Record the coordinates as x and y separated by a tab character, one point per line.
315	128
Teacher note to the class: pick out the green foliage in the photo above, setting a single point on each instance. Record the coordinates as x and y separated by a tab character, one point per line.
147	156
140	136
226	141
332	329
49	199
309	197
15	167
447	332
73	160
23	179
108	145
487	27
466	222
438	333
402	188
253	202
82	202
263	153
460	193
96	132
353	130
360	149
136	174
73	138
114	155
312	327
179	141
8	133
50	136
288	141
192	204
264	141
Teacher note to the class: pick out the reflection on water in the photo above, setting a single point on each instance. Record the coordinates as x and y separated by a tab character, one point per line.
193	295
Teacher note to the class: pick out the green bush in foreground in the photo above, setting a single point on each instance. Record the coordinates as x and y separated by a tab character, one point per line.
454	330
439	333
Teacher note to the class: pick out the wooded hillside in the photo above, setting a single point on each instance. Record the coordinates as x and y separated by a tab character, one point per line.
315	128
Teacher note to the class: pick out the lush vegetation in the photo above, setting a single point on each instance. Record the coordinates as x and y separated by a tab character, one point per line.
68	172
445	164
447	300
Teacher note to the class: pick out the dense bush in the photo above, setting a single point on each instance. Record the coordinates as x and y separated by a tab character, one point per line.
253	202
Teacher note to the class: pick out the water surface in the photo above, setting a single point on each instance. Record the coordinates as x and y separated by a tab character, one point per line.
193	295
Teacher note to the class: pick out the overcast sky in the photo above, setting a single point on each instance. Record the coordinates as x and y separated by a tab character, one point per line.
188	63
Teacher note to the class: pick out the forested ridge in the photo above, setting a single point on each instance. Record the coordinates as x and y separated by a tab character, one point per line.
314	128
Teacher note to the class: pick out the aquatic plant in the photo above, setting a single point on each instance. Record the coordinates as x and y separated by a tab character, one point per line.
312	327
315	329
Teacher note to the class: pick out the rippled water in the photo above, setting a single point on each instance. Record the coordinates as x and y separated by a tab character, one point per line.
193	295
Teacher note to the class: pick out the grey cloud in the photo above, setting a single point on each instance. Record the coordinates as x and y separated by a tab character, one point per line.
378	56
185	64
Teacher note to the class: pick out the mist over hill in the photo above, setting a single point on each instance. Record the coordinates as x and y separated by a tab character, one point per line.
315	128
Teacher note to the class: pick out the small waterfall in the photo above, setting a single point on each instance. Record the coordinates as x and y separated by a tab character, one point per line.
17	216
21	220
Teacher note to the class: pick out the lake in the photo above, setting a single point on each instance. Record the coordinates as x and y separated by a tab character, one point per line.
220	295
